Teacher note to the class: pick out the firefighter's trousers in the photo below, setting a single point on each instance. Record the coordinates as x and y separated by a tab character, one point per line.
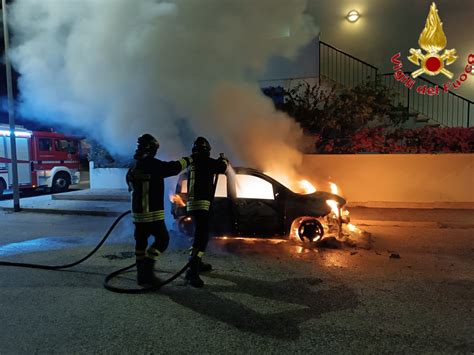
143	231
201	234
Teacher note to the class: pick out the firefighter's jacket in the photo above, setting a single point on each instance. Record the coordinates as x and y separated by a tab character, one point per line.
201	181
146	183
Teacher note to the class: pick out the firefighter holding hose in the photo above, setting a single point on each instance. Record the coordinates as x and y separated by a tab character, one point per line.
146	184
201	189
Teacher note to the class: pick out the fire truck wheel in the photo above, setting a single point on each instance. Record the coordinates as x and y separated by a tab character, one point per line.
3	186
61	182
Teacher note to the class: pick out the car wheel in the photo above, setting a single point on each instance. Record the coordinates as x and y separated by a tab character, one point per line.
310	229
61	182
186	226
3	186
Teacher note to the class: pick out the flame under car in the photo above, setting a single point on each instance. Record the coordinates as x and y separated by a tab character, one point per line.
249	203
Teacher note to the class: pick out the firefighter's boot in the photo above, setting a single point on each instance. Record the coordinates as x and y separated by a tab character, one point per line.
192	274
204	267
142	277
145	273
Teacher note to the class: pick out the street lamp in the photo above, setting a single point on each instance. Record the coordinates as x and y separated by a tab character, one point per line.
11	113
353	16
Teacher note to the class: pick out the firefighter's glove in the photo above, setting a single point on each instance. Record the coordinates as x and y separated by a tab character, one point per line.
224	158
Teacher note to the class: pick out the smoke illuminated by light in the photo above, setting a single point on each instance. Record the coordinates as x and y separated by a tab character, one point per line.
175	69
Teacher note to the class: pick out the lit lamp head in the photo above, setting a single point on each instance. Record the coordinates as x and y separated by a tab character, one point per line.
353	16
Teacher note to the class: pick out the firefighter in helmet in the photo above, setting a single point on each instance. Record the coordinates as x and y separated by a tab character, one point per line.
146	184
201	191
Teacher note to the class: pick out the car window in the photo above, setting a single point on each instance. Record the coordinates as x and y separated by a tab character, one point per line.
65	145
221	188
184	186
248	186
45	145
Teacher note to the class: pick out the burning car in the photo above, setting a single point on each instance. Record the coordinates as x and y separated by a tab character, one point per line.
250	203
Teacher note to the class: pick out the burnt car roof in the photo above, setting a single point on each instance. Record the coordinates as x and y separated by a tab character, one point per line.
320	194
255	172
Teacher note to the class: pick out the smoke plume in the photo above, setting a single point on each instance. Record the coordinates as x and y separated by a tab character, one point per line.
114	69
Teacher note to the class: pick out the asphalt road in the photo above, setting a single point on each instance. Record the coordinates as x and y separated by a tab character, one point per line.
265	296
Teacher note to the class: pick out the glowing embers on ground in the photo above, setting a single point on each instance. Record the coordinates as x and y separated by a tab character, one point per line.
252	240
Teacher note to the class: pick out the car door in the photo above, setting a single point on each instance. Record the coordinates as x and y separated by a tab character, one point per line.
221	220
255	206
221	216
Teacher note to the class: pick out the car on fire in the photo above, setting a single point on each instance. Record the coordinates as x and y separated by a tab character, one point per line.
249	203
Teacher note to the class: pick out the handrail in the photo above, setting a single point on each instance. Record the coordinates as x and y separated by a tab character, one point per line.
432	83
452	93
449	109
351	56
290	78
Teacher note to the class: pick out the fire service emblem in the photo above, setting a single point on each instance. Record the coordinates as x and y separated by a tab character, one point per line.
433	41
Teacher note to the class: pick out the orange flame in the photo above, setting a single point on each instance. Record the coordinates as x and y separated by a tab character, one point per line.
334	188
177	200
352	227
334	206
306	187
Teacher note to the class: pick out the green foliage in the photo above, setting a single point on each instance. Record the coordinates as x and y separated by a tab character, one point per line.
338	113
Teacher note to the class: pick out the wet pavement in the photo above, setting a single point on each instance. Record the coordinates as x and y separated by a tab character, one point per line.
264	296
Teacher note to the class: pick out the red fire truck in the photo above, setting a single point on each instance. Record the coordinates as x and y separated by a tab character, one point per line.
46	160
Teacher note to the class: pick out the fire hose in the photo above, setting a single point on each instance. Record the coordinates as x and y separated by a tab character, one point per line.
113	274
109	276
154	287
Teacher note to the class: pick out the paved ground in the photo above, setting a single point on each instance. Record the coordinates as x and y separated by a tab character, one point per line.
265	296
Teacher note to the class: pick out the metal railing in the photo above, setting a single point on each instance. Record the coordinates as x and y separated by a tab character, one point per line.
447	109
343	68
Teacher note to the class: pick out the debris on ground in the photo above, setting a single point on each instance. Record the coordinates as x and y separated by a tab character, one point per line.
353	252
395	256
329	242
120	256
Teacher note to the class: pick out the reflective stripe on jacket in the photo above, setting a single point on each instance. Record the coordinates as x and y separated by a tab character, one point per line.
201	179
145	181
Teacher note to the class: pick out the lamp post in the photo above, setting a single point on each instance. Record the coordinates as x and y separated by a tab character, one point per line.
11	114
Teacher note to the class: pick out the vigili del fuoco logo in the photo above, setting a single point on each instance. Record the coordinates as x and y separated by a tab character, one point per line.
431	59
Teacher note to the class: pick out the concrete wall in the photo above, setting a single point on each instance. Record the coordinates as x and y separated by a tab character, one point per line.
107	178
373	180
398	180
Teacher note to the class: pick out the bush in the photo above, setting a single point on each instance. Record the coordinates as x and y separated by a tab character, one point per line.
383	140
103	159
335	114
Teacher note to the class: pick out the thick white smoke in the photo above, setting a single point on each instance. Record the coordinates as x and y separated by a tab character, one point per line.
116	69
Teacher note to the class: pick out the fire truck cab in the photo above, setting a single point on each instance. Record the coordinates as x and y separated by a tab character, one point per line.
46	160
